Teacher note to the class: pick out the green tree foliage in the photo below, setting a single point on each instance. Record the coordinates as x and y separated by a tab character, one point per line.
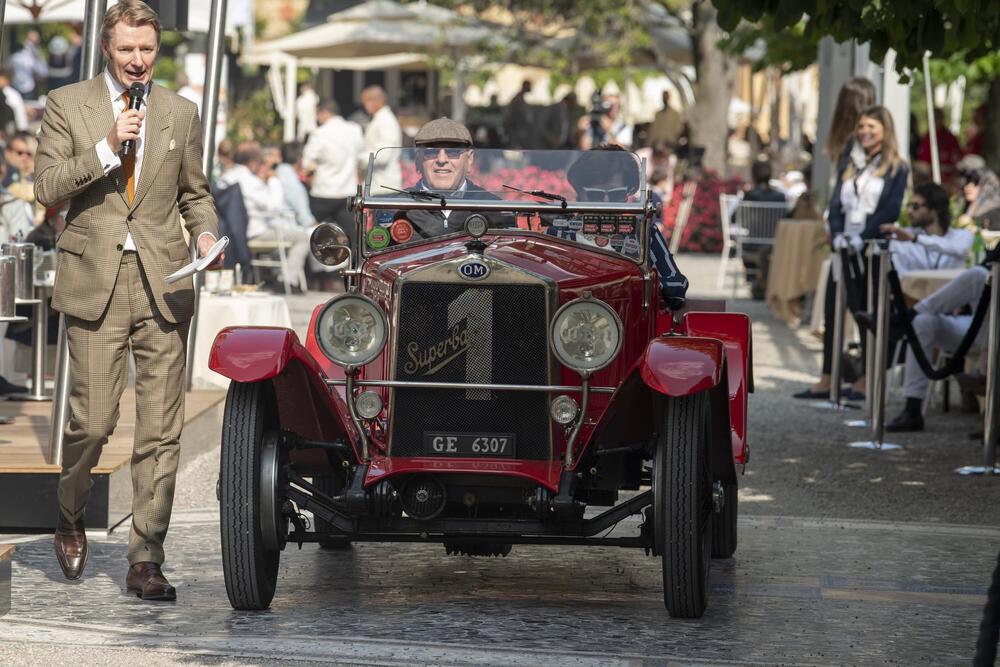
910	27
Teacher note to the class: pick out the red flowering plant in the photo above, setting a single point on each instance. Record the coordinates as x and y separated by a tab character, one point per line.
703	231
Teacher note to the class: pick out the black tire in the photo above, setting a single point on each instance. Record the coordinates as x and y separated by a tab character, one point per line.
724	524
682	504
331	485
250	569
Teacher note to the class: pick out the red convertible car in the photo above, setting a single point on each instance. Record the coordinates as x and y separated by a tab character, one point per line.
501	369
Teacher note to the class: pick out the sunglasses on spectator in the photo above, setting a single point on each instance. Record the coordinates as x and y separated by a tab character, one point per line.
605	194
450	153
914	205
21	153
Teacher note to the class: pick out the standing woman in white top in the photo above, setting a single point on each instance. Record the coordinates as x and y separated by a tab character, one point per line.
869	194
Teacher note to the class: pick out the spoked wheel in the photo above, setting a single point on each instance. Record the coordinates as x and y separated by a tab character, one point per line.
253	527
682	504
724	523
331	485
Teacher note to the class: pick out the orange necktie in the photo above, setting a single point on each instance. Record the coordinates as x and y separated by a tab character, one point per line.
128	163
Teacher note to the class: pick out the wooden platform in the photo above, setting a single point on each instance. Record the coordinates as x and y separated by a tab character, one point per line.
27	482
6	552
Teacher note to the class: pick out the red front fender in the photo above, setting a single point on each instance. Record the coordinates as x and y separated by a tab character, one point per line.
306	404
681	365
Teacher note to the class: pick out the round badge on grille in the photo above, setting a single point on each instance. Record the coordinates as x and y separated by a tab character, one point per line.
474	269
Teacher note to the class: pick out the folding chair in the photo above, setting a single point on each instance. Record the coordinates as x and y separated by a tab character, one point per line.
262	253
727	206
755	223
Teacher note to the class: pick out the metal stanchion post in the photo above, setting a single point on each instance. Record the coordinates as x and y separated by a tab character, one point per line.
866	421
90	63
209	106
39	340
990	430
877	386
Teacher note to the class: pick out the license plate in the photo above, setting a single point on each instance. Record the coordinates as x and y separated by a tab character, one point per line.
471	445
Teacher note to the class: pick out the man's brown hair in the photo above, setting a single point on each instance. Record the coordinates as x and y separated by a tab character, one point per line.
132	13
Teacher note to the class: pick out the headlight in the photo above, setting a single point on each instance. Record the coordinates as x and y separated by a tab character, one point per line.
351	330
563	409
368	404
586	335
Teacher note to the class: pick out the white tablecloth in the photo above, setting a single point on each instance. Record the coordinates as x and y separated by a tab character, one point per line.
217	312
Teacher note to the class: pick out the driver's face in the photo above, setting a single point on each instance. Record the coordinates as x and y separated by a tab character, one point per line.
444	167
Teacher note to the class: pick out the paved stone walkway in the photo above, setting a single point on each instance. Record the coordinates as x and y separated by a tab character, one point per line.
799	592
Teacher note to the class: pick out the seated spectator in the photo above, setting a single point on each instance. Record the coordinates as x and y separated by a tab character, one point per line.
16	215
296	193
757	256
981	190
268	216
931	243
18	117
937	326
20	158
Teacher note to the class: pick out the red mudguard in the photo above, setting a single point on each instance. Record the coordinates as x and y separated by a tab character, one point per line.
306	404
733	330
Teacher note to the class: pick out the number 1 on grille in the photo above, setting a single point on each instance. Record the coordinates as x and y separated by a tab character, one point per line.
475	306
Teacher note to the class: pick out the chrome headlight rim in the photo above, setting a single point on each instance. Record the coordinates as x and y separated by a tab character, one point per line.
382	323
570	362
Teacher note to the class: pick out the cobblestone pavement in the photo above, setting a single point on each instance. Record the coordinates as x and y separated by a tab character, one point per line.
846	557
799	591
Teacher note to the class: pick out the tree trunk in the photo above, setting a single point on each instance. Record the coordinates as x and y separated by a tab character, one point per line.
991	138
713	89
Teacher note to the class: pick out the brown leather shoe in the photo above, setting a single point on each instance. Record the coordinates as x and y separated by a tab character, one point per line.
148	583
71	547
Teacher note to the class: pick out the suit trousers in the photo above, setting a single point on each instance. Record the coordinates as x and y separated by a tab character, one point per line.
99	363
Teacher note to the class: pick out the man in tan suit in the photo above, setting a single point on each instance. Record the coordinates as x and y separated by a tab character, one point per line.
123	237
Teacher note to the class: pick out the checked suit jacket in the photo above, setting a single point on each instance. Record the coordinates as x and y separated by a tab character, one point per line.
171	185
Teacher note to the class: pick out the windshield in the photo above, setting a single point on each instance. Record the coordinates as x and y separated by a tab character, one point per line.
594	198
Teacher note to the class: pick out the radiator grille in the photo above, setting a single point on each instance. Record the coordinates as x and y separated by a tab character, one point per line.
490	333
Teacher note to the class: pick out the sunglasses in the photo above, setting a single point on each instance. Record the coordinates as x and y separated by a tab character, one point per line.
605	194
450	153
21	153
914	205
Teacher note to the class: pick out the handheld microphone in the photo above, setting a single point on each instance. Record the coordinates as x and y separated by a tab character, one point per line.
135	101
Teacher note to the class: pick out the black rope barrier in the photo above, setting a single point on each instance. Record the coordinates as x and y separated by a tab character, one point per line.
989	629
957	362
854	281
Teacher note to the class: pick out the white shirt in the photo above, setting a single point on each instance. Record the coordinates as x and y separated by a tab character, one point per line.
383	131
305	114
16	104
265	202
930	251
859	196
332	154
109	159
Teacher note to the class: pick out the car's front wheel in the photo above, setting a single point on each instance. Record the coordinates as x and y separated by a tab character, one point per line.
682	504
250	514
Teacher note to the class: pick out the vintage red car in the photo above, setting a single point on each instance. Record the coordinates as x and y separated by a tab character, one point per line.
500	362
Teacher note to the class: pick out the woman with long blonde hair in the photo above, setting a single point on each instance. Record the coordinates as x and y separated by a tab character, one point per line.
868	194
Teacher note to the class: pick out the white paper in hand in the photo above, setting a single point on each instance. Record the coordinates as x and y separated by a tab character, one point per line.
199	264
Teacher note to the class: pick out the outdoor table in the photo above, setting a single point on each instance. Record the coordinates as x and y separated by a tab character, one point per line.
218	312
796	260
923	282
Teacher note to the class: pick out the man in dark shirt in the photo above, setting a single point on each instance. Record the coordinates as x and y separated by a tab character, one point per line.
757	256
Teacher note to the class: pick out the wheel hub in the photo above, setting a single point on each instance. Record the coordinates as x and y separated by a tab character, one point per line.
718	497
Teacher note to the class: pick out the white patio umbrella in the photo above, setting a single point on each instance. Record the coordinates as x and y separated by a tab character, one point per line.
19	12
380	28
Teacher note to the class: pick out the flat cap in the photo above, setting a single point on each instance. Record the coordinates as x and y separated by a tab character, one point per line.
442	131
